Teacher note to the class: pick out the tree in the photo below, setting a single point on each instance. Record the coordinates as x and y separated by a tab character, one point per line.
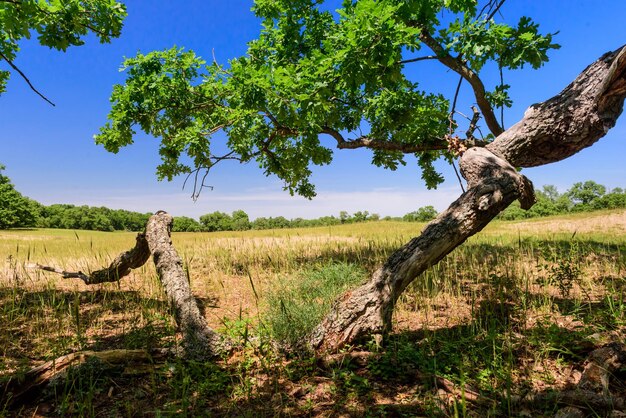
241	221
216	221
584	194
613	200
423	214
15	209
314	74
185	224
360	216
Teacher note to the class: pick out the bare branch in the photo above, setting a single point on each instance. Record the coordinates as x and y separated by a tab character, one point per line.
366	142
64	274
428	57
119	267
199	185
25	78
491	8
495	10
457	65
453	109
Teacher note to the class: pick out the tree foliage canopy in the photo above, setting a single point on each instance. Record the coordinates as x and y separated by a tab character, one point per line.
58	24
314	74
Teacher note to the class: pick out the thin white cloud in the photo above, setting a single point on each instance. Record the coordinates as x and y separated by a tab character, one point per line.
384	201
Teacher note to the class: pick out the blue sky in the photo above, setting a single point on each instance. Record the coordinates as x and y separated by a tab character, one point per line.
51	157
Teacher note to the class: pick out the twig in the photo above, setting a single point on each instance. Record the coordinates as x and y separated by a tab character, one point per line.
495	10
427	57
453	109
65	274
25	78
458	177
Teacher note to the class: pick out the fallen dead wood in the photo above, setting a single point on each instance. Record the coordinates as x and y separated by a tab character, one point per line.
25	387
362	358
593	391
199	340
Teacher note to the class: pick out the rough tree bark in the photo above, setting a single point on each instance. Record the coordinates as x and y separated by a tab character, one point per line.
121	266
551	131
199	340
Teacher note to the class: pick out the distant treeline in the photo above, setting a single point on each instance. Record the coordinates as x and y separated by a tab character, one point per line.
93	218
581	197
239	220
19	211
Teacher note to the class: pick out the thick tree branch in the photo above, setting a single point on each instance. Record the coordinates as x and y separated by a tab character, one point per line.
121	266
493	184
199	340
456	65
572	120
375	144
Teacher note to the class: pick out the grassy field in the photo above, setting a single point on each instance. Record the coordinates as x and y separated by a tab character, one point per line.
512	313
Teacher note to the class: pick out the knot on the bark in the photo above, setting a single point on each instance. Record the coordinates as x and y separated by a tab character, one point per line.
489	173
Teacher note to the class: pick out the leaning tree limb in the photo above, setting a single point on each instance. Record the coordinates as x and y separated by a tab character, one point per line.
493	185
556	129
199	340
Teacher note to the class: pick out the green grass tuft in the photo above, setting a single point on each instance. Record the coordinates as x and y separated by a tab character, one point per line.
300	301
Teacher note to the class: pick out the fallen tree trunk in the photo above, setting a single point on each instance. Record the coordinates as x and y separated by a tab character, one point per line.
24	388
551	131
593	393
199	340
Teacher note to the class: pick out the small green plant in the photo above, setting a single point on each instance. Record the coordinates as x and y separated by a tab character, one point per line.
563	272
